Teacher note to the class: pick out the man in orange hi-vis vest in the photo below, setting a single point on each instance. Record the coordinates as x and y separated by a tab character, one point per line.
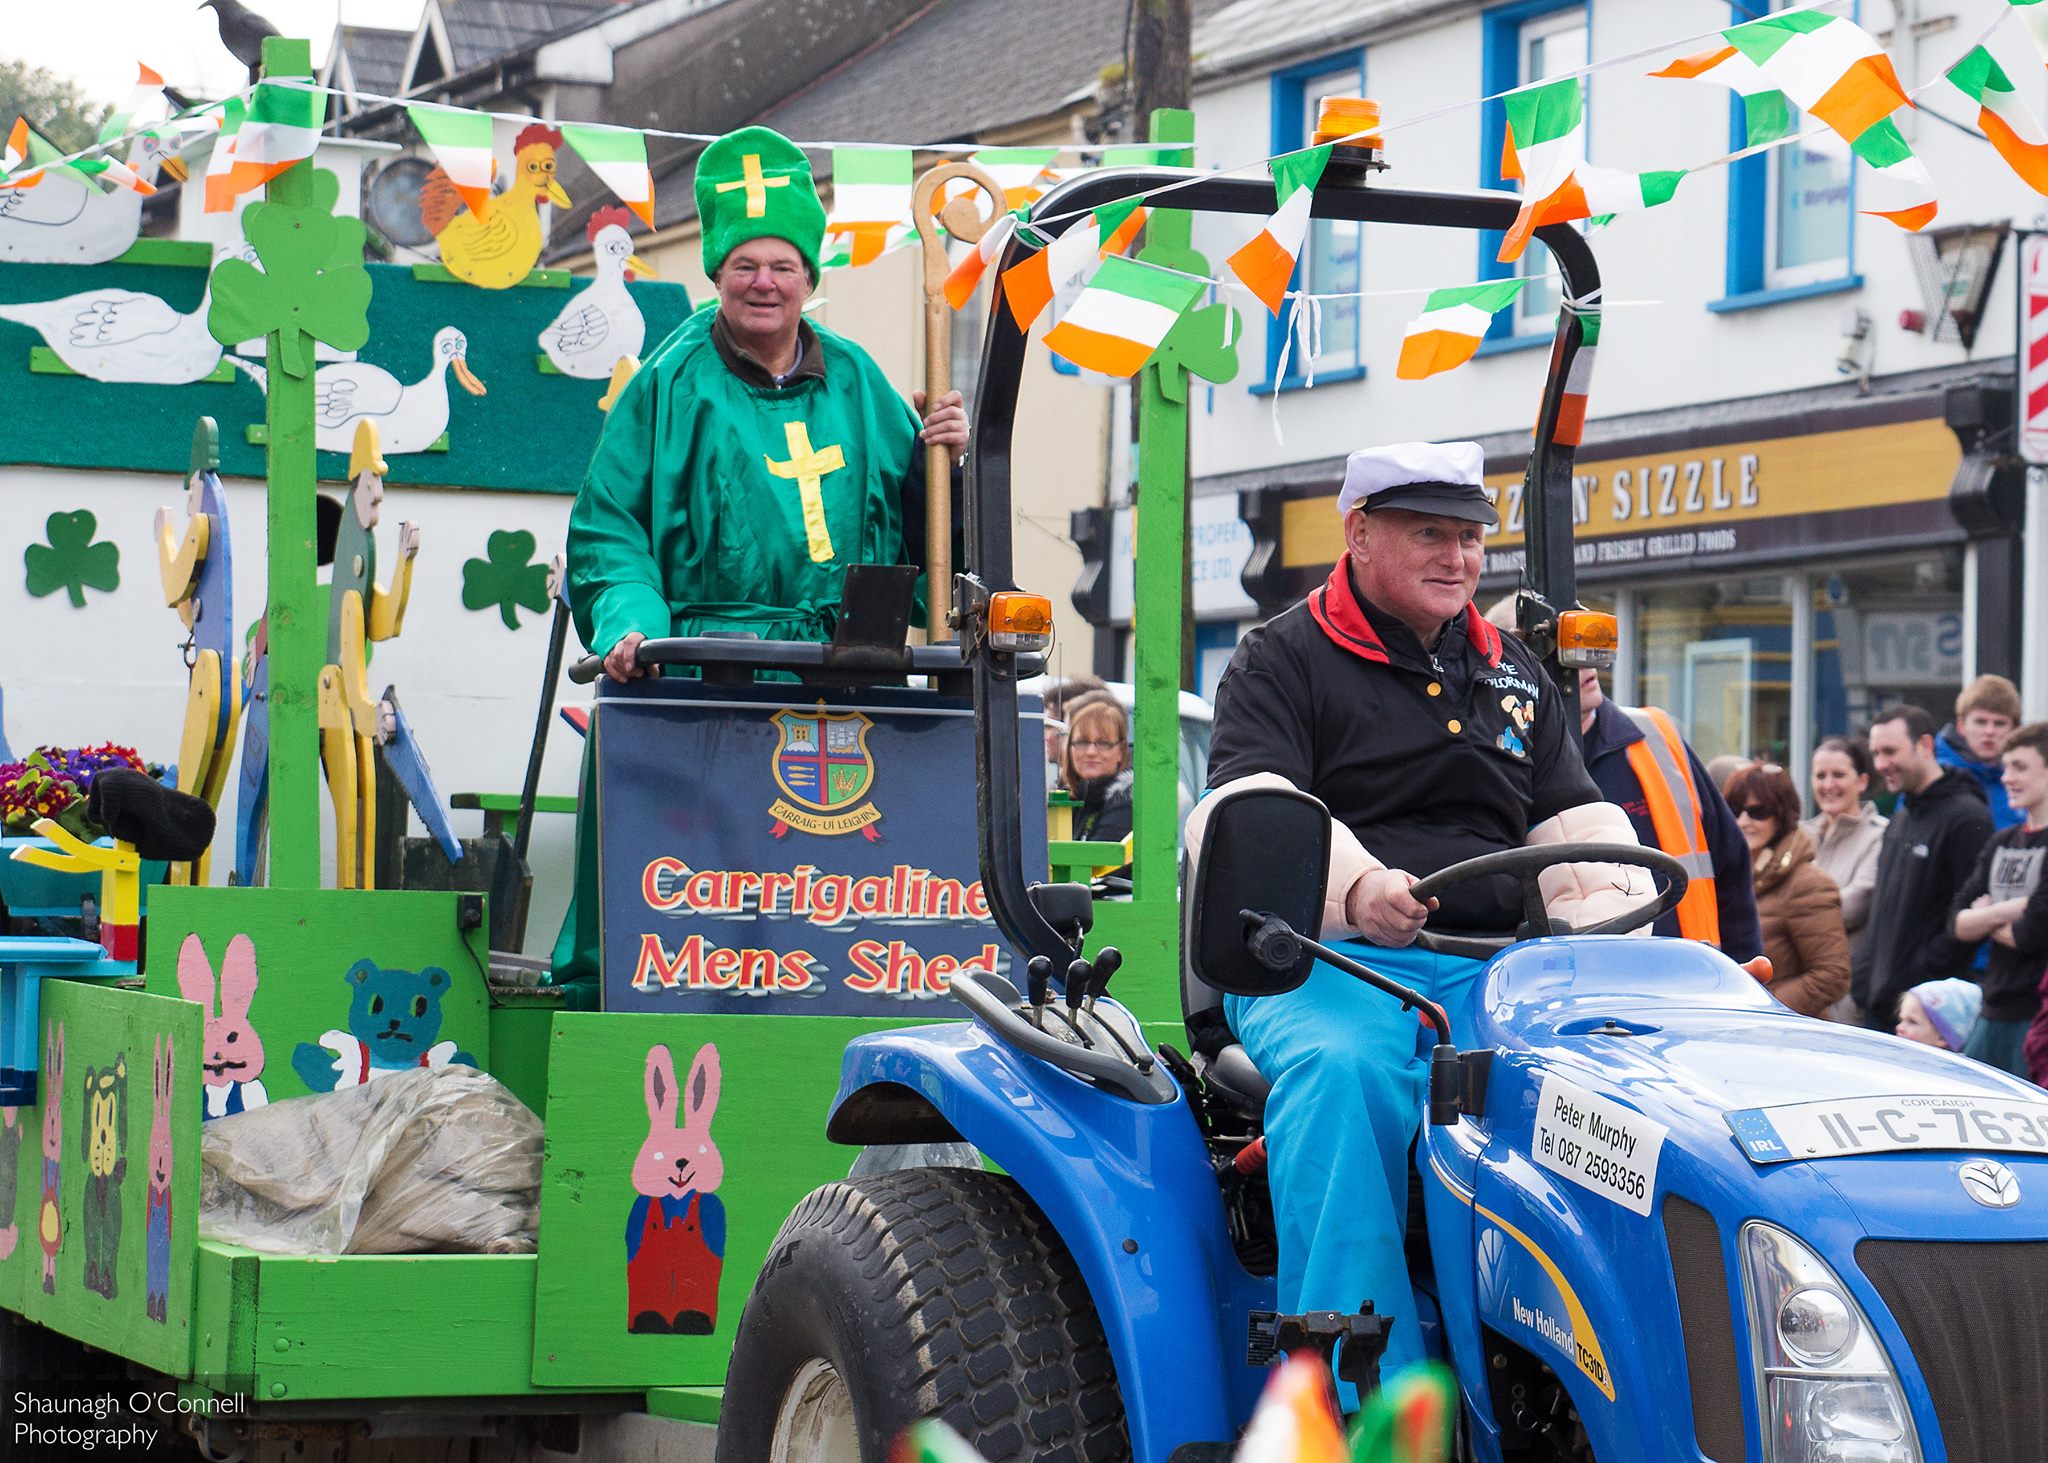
1639	760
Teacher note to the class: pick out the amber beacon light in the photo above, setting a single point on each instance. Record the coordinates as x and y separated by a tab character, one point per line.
1351	121
1587	638
1019	622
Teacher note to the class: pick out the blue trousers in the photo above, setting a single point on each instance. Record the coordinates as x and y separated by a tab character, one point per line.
1349	1068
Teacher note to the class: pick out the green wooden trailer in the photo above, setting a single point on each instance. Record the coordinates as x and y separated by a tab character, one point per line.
106	1289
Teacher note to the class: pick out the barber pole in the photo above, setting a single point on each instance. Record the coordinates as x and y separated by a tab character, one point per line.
2033	334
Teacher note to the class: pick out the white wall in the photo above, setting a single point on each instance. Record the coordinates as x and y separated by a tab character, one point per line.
1660	345
112	671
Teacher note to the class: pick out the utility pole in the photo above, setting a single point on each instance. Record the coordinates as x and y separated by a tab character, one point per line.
1158	75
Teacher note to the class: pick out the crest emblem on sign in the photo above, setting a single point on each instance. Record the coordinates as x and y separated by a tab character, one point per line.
825	771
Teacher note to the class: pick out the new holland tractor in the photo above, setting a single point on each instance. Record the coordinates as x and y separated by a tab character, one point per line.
1654	1214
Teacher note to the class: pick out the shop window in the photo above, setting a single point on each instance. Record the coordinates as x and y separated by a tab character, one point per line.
1332	259
1886	633
1791	215
1718	657
1534	40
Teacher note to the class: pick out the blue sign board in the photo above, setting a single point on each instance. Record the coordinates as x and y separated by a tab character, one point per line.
761	850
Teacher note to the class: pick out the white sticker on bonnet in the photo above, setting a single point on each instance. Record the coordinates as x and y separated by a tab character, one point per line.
1597	1144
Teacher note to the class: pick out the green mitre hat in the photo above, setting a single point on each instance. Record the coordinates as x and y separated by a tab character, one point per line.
753	184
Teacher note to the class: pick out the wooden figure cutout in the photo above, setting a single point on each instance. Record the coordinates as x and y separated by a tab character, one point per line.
359	610
197	571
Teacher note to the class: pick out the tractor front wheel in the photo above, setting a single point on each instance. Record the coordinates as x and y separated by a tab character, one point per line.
921	1293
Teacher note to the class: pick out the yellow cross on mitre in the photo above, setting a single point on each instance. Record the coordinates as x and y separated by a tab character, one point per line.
757	185
809	467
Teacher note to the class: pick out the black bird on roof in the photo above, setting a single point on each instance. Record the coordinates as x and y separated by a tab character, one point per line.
242	31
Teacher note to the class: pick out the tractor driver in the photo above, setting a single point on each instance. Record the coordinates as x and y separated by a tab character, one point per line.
1431	737
749	461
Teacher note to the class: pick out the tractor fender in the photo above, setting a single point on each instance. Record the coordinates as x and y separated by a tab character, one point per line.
1128	1186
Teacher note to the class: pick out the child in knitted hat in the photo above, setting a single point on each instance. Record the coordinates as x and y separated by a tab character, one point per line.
1940	1013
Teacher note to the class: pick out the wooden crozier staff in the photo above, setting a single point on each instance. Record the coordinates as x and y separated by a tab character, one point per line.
964	221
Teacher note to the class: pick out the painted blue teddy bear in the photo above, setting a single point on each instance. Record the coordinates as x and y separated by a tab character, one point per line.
394	1017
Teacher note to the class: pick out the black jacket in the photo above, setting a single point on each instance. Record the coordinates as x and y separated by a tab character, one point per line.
1930	847
1606	752
1430	755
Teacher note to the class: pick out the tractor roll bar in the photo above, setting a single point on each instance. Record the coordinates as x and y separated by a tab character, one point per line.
1342	194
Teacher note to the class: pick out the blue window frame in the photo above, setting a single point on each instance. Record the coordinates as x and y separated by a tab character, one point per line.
1332	261
1521	42
1791	211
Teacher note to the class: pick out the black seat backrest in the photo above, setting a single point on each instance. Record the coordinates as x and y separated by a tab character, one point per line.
1265	858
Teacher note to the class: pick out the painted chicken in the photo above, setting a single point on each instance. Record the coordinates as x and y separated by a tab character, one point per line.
498	252
601	324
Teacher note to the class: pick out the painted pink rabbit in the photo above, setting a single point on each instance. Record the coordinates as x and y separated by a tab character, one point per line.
675	1236
50	1219
157	1213
231	1053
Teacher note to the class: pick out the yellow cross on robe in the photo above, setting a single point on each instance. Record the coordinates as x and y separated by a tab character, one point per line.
756	185
809	469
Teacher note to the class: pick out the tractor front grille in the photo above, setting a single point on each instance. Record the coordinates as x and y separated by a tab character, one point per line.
1973	1314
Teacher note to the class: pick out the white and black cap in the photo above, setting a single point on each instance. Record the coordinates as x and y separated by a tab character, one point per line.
1444	478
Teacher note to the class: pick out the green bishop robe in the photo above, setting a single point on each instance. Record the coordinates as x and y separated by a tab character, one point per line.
713	503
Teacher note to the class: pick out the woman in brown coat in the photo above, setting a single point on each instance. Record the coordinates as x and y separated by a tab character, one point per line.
1798	906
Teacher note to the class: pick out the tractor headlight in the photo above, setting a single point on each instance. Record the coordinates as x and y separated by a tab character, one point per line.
1828	1391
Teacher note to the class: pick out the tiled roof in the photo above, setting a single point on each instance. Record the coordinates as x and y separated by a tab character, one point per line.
1249	31
957	71
375	57
483	30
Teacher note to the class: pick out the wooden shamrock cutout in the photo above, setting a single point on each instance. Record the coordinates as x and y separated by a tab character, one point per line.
1202	342
506	578
312	282
71	560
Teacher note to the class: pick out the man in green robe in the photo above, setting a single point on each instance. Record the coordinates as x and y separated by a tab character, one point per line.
748	462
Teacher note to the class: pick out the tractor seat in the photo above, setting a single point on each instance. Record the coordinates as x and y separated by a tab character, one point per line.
1231	1077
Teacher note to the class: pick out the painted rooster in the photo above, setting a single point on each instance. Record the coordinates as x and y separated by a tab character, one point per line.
498	252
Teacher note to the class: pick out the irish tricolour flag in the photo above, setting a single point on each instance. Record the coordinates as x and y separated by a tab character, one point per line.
1019	171
282	128
618	155
1832	68
1546	148
871	193
1030	285
2035	14
1117	322
24	160
2003	117
461	143
1266	263
966	275
1452	323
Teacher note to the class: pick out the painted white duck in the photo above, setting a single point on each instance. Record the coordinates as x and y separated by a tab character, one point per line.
65	219
124	336
409	418
600	324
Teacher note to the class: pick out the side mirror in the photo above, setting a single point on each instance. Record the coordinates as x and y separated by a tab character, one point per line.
1266	850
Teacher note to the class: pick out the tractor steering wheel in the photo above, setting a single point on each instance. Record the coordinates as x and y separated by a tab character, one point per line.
1524	864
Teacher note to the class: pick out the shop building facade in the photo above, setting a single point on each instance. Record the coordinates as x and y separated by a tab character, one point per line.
1800	506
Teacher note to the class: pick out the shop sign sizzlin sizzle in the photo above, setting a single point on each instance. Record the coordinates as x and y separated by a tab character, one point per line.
788	859
1701	502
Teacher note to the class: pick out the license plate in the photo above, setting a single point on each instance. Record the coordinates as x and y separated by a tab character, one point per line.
1836	1129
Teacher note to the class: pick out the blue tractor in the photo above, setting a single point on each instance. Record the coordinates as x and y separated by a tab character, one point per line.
1653	1214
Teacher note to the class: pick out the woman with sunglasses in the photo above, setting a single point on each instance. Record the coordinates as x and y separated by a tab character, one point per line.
1096	767
1798	906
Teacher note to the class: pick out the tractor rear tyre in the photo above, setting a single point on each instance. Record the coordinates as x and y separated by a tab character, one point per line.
938	1292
